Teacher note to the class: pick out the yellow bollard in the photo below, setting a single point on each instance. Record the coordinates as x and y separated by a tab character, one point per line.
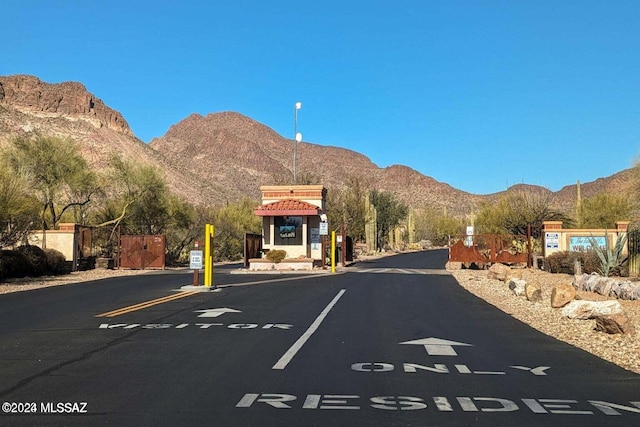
209	231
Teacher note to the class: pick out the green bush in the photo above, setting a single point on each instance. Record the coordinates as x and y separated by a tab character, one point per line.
36	259
276	256
13	264
56	261
31	261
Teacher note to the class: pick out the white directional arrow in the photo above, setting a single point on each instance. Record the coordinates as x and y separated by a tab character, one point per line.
437	346
215	312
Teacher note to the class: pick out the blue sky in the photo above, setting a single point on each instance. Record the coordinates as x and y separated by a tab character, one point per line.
479	94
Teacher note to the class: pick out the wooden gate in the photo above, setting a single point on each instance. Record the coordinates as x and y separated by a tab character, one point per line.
252	247
142	252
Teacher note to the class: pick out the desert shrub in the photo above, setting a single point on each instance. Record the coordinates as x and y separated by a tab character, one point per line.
56	261
13	264
276	255
560	262
36	259
564	262
590	262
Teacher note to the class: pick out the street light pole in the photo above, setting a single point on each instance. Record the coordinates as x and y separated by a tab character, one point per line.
298	138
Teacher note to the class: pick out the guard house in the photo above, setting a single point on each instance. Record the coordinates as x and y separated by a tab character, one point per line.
291	220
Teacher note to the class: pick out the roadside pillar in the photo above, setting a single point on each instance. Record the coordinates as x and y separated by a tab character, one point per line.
209	231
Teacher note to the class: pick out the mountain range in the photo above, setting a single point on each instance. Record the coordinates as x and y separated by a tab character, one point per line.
223	157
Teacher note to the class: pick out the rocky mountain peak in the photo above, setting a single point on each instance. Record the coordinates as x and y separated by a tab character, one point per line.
220	157
30	95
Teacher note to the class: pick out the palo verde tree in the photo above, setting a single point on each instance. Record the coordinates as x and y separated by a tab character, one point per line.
436	226
633	190
139	202
18	209
389	211
54	171
181	230
514	212
603	210
231	222
346	205
137	198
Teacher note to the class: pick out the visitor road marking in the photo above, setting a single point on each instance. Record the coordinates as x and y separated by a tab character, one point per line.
286	358
147	304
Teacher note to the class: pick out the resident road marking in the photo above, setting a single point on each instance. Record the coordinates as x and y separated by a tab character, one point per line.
147	304
290	354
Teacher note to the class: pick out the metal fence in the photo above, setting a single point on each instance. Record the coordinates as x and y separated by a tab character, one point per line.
490	248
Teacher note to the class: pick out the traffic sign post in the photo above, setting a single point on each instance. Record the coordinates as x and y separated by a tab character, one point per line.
324	231
195	264
324	228
333	251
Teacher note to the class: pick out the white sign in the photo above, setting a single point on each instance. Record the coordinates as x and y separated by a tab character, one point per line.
324	228
195	260
468	241
551	240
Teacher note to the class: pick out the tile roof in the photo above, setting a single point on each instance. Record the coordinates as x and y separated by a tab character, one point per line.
287	207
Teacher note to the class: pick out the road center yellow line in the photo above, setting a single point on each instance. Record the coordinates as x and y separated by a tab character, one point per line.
147	304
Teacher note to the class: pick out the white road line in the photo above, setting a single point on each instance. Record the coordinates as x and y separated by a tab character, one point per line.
284	279
293	350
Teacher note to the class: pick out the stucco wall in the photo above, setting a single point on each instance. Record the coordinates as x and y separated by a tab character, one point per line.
63	241
558	239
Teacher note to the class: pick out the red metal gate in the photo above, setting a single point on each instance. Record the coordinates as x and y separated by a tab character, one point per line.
490	248
141	252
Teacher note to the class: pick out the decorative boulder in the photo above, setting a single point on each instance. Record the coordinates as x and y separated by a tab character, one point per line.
517	286
562	294
533	292
499	271
583	309
614	324
514	273
608	286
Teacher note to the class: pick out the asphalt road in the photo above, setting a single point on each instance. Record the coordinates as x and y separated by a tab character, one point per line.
392	342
